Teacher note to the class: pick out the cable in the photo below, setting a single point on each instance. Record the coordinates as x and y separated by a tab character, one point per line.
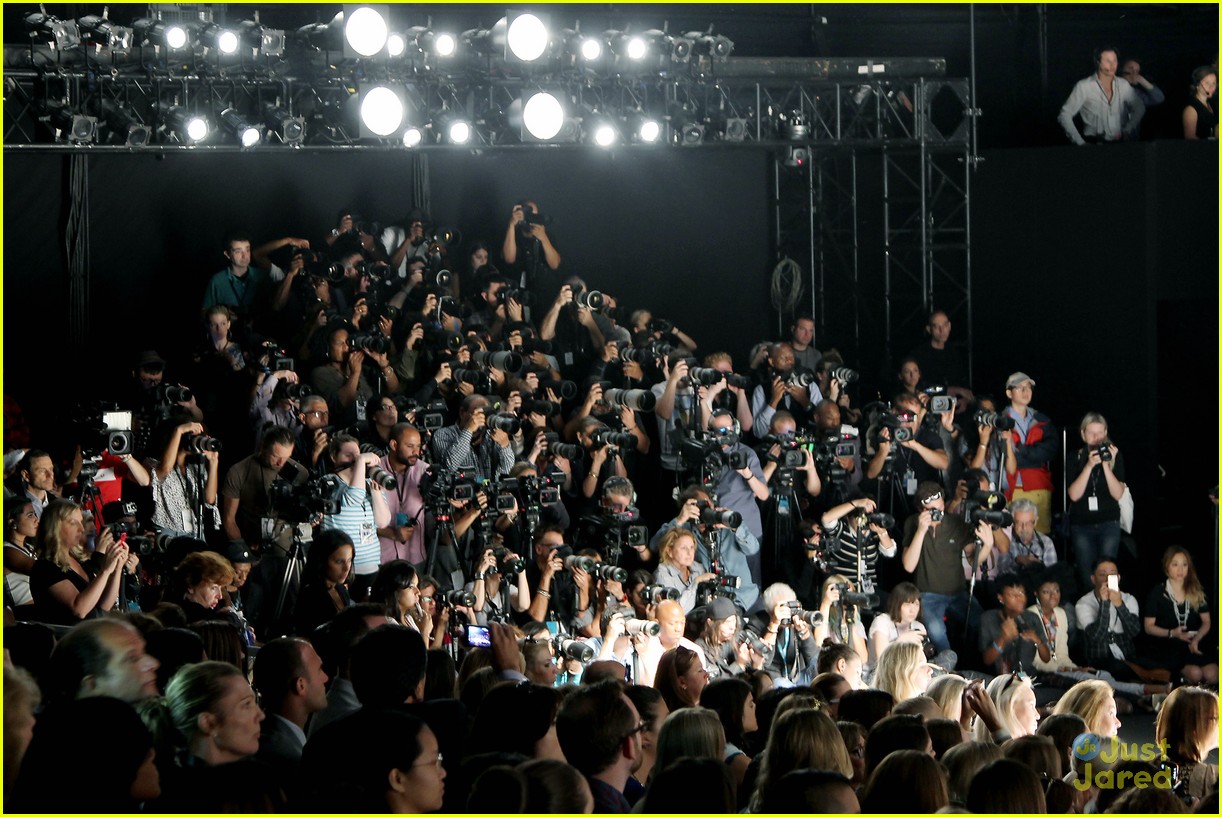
786	285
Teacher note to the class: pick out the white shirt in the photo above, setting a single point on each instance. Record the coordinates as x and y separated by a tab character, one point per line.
1087	609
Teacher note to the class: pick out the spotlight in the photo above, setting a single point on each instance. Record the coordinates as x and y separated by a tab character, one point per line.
709	44
365	30
382	110
219	39
526	37
604	134
636	48
288	128
591	49
186	127
269	41
395	44
691	134
453	128
666	48
645	129
124	126
681	49
542	116
412	137
247	134
74	127
101	32
578	46
156	33
432	43
55	32
736	130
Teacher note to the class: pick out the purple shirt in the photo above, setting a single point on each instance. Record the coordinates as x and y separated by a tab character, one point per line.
405	500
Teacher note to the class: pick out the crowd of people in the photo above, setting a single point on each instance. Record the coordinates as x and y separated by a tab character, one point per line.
397	538
1112	110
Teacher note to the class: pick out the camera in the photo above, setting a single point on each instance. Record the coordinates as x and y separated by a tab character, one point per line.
438	338
758	645
605	436
991	419
169	393
532	345
298	502
936	515
369	342
656	593
575	650
845	375
502	361
440	486
941	404
510	563
589	299
1104	450
997	519
567	389
458	598
581	563
531	217
705	377
569	451
635	399
850	598
790	455
711	516
610	573
382	477
800	377
634	626
199	443
506	422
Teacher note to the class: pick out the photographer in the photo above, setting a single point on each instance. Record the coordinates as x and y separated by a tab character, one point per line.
675	409
527	246
706	523
783	429
556	596
1094	497
381	415
839	472
829	374
678	567
786	628
1011	637
403	536
917	459
314	433
572	329
854	539
277	397
1035	447
727	393
470	446
990	447
605	460
179	494
739	488
784	387
724	654
246	495
362	509
499	585
934	543
491	309
841	621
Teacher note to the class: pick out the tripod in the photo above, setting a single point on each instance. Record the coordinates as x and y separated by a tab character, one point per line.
291	577
445	522
888	478
197	467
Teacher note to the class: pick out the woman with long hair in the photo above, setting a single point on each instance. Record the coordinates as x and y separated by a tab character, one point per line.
722	655
1014	698
1188	723
20	529
323	581
1199	117
907	781
397	588
734	704
801	738
65	583
902	671
680	678
1177	623
689	732
1094	703
901	622
840	621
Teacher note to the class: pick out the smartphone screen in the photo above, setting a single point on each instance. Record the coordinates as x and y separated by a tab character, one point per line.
478	636
1113	582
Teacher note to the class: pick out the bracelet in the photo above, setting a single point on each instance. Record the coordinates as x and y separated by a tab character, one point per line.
1169	632
544	594
998	647
479	577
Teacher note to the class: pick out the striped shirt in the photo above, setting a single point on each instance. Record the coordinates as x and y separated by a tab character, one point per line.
355	518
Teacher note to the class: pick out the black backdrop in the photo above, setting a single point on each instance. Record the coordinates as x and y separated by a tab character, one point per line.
1095	269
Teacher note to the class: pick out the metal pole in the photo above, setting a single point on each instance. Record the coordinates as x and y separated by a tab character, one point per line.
810	234
856	251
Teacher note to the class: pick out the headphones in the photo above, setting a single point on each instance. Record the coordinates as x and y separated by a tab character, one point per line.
617	484
724	412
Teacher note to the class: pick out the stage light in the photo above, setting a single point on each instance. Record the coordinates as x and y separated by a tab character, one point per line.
269	41
412	137
459	132
709	44
526	37
123	126
636	48
154	32
681	49
691	134
247	134
51	30
645	129
185	126
288	128
72	126
365	30
736	130
665	48
395	44
604	134
101	32
219	39
437	44
543	116
382	110
591	49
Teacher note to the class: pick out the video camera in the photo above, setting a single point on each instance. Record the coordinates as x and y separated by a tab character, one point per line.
298	503
102	427
439	486
850	598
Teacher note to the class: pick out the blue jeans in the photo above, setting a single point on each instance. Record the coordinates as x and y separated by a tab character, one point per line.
938	610
1091	543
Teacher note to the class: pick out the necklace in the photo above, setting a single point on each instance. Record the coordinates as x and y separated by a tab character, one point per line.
1181	614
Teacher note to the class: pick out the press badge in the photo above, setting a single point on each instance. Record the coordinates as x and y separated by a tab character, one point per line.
1092	503
360	411
267	525
910	482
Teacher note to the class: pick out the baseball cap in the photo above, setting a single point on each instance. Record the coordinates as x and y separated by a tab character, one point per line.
1018	378
149	359
720	608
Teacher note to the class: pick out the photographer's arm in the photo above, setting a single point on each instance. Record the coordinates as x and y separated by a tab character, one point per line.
138	472
833	515
281	298
210	487
1114	485
933	457
347	392
550	255
521	599
381	511
912	551
814	486
229	518
1077	488
875	466
981	454
169	457
666	403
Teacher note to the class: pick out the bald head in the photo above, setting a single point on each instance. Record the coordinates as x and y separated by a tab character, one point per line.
672	621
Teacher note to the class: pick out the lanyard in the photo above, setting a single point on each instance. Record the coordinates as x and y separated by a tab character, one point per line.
1050	629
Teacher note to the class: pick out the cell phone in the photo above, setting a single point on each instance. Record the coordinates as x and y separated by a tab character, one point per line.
478	636
1113	582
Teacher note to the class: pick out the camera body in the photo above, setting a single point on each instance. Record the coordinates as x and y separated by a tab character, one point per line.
1104	449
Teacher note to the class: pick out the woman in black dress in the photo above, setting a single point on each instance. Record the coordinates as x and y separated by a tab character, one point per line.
67	585
323	590
1200	119
1177	623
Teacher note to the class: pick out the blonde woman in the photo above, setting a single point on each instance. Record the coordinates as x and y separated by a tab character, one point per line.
903	671
679	568
1093	702
841	623
1014	698
64	588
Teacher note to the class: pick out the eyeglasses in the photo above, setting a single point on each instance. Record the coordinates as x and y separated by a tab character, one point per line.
1016	675
318	413
640	727
436	762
